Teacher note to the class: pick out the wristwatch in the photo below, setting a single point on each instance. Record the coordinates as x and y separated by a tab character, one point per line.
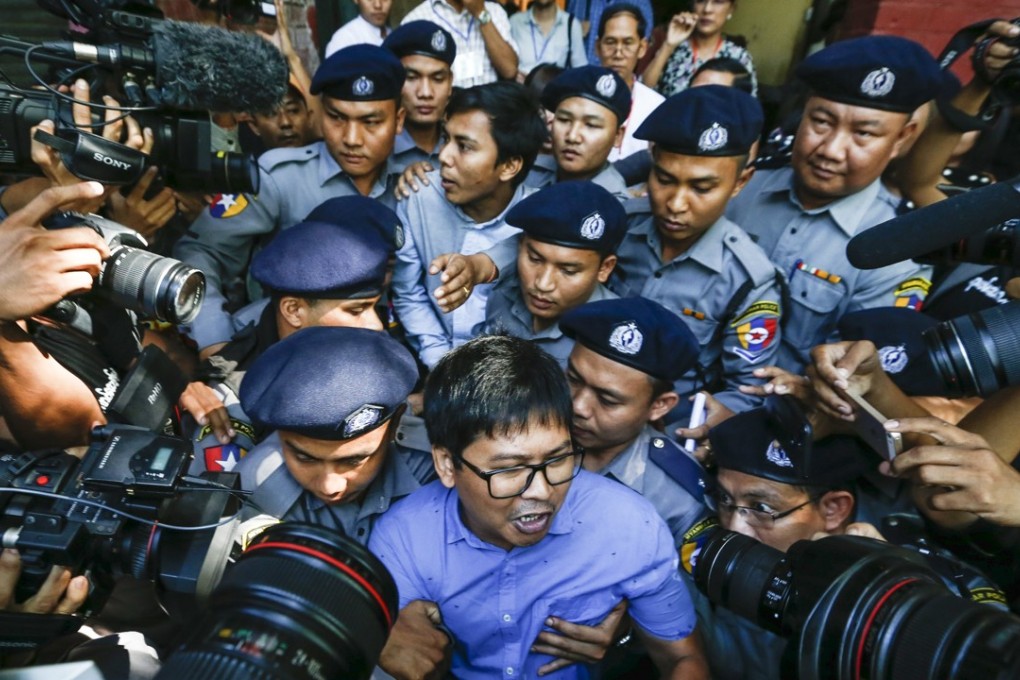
484	17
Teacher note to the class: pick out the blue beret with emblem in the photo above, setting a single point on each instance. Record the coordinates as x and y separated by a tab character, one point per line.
325	261
424	38
361	212
896	332
576	214
759	444
635	332
329	382
360	73
712	120
877	71
597	83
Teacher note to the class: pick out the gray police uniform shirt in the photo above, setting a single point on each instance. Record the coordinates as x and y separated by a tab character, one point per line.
809	247
406	152
434	226
699	285
543	174
506	310
276	493
224	237
634	467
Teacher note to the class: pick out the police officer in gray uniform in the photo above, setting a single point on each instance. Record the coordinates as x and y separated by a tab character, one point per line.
565	253
360	87
317	274
683	253
860	114
627	355
333	397
590	106
427	51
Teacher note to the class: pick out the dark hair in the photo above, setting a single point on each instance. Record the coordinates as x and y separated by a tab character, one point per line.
660	386
623	8
540	76
741	76
517	127
494	385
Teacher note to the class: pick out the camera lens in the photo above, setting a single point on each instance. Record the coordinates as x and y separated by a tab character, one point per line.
978	354
236	172
157	286
301	602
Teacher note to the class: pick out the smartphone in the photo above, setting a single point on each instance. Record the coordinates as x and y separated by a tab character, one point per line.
697	419
868	425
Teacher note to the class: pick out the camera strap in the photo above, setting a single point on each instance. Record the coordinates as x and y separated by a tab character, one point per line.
95	158
958	45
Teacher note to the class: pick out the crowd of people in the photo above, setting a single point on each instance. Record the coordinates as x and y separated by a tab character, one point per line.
531	312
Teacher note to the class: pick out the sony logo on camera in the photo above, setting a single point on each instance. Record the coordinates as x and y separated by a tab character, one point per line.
102	158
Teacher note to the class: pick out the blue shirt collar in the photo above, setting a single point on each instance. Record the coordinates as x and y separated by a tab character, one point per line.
846	212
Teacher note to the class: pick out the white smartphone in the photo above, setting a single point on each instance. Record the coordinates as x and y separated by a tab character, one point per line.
697	419
868	425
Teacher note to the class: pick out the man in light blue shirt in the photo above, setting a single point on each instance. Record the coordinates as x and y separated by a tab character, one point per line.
518	533
494	133
545	34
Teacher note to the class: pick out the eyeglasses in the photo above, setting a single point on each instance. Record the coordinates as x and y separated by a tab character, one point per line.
755	517
513	481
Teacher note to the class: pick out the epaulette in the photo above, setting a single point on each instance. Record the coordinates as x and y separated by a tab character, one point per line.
751	257
637	206
274	158
678	466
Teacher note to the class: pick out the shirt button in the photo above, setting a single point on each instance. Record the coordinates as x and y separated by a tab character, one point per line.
658	275
794	230
509	670
507	618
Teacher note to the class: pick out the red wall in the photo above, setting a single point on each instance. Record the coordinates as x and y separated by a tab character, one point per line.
930	22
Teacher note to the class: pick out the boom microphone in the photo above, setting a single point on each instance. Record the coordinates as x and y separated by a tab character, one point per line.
935	226
199	67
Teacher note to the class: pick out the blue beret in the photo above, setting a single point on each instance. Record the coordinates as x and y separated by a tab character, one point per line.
635	332
577	214
361	212
360	73
896	332
329	382
424	38
321	260
755	443
877	71
597	83
712	120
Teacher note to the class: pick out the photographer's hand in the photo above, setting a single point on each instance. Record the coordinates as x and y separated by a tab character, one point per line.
999	53
146	216
38	267
206	407
59	594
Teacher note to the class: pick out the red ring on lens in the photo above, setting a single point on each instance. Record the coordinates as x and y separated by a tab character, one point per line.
871	619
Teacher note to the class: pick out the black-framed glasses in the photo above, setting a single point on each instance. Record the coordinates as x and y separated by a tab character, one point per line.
513	481
755	517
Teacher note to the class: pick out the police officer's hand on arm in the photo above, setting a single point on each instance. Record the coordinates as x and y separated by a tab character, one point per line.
460	275
417	649
207	408
59	594
960	478
576	643
408	181
39	267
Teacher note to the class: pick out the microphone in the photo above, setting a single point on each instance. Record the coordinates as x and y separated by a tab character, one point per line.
935	226
199	67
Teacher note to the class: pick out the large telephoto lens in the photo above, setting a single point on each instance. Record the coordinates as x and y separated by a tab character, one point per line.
159	287
978	354
301	603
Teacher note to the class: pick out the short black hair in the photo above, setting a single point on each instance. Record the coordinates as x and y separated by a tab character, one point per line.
741	76
622	8
540	76
517	126
494	385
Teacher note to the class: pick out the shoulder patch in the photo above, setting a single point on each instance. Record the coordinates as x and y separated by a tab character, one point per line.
760	308
911	293
918	283
678	466
227	205
694	540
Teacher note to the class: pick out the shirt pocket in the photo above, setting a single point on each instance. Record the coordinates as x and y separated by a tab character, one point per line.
813	309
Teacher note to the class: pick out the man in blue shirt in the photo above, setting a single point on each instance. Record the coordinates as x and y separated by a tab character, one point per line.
518	532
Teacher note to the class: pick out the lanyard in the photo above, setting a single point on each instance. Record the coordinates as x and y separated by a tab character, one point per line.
471	24
534	46
694	49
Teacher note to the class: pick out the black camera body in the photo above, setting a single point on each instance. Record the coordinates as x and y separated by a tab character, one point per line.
854	607
125	470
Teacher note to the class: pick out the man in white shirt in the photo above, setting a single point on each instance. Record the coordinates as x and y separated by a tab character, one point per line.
620	45
368	27
486	50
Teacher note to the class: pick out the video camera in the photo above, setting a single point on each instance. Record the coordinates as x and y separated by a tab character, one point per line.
854	607
123	509
169	74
